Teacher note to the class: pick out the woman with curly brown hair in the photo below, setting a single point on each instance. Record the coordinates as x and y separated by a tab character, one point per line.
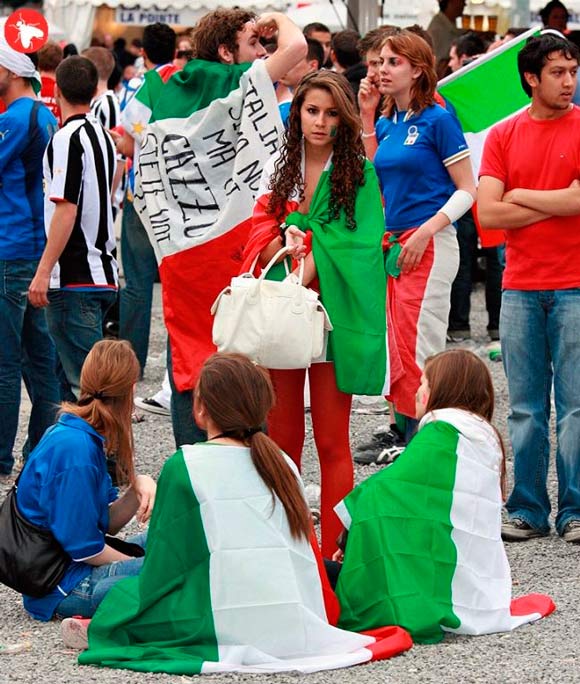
422	161
320	197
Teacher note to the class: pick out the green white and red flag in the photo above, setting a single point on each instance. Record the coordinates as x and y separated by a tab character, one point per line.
424	548
211	130
486	92
137	113
224	586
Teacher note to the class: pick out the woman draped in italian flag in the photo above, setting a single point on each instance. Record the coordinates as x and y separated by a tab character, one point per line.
424	548
324	194
422	161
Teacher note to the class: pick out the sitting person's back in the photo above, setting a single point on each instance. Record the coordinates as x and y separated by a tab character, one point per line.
231	579
424	547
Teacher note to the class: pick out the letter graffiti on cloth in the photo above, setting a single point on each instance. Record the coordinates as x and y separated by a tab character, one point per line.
211	131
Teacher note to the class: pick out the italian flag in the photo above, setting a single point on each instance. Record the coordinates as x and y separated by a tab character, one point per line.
137	113
224	586
486	92
212	128
424	549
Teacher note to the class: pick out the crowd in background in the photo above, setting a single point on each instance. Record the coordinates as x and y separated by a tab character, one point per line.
373	162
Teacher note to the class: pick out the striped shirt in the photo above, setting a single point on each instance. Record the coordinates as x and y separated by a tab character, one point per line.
79	164
106	109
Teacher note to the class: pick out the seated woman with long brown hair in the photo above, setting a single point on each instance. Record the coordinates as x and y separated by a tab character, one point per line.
424	548
231	580
65	487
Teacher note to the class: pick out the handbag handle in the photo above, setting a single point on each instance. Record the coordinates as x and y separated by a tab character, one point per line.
273	261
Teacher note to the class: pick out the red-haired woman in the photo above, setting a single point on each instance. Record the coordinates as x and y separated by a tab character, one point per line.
65	487
422	161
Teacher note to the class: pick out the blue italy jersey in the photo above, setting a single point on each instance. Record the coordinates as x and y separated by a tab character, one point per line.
411	162
22	146
66	488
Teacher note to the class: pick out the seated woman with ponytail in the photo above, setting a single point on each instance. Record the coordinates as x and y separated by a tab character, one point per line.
231	579
65	486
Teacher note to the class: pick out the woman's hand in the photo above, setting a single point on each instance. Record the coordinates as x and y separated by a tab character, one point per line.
295	242
144	489
368	97
413	250
338	556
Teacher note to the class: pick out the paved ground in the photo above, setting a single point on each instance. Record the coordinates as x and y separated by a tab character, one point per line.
545	652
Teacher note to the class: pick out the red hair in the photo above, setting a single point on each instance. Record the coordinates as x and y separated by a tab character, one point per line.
413	48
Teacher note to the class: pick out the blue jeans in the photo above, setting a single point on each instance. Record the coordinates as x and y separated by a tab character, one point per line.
26	352
75	321
185	430
463	284
85	598
540	333
140	269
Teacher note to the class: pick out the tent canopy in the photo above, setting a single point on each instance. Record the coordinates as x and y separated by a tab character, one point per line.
76	17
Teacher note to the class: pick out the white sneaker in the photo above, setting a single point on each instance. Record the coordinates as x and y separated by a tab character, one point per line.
151	405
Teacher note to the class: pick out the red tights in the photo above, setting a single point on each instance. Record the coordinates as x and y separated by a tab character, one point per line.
330	422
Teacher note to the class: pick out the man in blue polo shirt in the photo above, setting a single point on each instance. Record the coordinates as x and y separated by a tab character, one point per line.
26	352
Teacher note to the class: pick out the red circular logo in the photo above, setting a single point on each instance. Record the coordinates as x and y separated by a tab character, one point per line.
26	30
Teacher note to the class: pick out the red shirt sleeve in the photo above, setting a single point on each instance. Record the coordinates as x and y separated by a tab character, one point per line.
492	162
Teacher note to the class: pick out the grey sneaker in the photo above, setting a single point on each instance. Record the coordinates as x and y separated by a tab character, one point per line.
571	532
517	529
151	405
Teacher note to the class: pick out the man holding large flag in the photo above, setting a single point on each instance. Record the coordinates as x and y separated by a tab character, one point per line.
529	186
213	126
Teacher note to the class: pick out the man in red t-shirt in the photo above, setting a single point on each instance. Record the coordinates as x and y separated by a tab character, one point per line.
529	186
49	57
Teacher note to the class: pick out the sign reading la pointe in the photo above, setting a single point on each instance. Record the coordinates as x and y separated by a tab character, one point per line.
26	30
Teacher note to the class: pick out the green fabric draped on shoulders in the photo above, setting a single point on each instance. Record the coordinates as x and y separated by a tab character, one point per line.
352	278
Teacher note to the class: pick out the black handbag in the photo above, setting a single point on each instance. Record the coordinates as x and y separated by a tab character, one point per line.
31	559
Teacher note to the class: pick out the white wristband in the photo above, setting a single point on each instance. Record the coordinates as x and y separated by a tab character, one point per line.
368	135
458	204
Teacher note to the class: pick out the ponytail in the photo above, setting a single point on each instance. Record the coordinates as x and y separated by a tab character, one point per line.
238	394
107	378
281	481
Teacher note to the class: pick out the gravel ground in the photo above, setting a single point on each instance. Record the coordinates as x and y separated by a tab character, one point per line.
545	652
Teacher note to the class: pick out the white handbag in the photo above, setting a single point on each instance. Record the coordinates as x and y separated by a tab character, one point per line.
277	324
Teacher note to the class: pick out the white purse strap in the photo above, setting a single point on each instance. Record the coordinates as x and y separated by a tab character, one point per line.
273	261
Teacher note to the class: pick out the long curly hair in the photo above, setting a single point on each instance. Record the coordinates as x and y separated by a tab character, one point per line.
411	46
347	173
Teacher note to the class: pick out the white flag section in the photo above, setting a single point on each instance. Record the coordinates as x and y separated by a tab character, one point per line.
198	176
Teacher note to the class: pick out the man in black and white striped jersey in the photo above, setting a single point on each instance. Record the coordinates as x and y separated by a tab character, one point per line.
77	273
105	105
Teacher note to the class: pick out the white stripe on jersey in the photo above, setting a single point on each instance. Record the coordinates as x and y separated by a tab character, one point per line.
79	165
107	110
